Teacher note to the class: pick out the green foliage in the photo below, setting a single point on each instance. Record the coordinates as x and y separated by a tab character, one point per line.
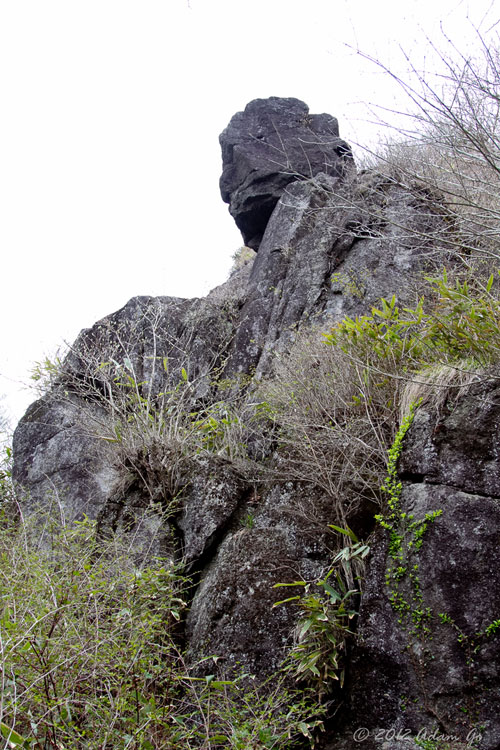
492	627
90	656
217	428
248	521
158	430
457	319
169	417
406	536
351	558
334	409
322	632
12	738
351	282
465	322
471	643
324	627
392	486
426	744
387	333
46	373
239	715
6	488
87	648
160	433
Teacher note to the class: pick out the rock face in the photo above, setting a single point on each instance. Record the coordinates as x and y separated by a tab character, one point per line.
271	143
332	248
427	661
138	433
69	445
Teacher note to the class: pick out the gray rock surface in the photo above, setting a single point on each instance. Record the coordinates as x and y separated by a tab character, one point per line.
271	143
60	458
332	248
437	672
76	445
275	537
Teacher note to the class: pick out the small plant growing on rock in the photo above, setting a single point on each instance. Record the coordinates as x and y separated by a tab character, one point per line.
326	612
242	257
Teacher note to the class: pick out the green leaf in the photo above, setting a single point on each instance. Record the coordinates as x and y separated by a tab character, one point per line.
219	684
347	531
306	624
332	639
334	595
321	617
13	738
184	375
284	601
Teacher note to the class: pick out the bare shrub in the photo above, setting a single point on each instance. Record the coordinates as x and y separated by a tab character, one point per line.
335	399
143	393
334	419
450	144
90	654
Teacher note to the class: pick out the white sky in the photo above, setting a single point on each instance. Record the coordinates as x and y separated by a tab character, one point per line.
109	154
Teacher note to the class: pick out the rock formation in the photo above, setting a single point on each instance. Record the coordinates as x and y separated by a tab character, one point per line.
331	242
272	143
432	660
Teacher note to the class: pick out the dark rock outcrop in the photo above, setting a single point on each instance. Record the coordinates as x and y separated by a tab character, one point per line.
332	248
67	447
330	243
427	658
271	143
276	537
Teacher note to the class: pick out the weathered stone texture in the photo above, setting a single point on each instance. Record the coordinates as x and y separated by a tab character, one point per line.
333	248
446	679
271	143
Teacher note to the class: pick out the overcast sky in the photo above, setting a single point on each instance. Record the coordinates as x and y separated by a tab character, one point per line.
109	154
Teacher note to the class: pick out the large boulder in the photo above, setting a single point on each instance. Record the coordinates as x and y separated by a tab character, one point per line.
335	243
271	143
